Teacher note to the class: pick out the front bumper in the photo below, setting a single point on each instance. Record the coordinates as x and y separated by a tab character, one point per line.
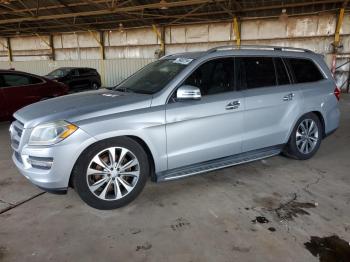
54	177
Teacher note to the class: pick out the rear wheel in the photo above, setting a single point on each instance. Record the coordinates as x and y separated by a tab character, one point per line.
305	138
94	86
111	173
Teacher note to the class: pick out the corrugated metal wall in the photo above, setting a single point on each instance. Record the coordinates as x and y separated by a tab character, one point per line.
128	50
112	71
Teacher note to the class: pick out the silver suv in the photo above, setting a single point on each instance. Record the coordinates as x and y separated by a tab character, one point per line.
182	115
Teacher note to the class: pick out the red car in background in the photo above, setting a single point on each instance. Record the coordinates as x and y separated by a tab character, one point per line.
18	89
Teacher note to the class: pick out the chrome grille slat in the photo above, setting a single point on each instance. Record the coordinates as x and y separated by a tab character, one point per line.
18	157
15	143
18	130
16	134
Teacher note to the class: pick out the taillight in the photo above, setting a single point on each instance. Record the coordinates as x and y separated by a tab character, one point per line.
337	93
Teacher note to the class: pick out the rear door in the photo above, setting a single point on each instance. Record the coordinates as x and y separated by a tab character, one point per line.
308	77
75	83
209	128
84	76
271	102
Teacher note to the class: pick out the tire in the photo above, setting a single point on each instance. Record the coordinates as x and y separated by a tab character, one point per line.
94	86
92	188
294	147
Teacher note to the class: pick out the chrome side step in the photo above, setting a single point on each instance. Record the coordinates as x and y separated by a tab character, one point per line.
212	165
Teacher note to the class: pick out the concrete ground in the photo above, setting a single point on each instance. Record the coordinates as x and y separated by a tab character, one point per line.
208	217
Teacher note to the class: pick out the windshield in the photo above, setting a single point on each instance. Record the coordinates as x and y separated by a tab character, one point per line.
59	72
153	77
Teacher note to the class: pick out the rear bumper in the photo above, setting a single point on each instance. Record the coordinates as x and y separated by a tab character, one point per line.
332	120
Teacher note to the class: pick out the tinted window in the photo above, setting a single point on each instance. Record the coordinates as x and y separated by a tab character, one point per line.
74	72
85	71
59	72
304	70
19	80
282	75
92	72
35	80
213	77
259	71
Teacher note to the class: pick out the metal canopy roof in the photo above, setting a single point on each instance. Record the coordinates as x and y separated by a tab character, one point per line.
25	17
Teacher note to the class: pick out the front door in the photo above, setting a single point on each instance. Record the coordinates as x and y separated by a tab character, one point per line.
209	128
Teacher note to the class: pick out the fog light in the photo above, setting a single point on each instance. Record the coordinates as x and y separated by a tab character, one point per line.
40	162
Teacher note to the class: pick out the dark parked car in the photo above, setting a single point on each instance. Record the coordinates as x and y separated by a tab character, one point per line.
18	89
77	78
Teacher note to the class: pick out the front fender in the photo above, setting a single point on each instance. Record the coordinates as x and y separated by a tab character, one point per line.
147	124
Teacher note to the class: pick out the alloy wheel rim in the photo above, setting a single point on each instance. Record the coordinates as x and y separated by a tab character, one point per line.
307	136
113	173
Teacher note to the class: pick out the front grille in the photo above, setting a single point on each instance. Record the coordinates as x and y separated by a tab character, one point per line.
16	134
18	157
15	143
18	131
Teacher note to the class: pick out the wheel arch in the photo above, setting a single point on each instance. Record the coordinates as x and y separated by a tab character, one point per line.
133	137
149	155
321	118
317	113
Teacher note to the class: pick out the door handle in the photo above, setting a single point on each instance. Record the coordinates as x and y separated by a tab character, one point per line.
233	105
288	97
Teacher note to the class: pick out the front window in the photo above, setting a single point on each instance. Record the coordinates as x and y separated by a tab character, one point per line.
61	72
153	77
213	77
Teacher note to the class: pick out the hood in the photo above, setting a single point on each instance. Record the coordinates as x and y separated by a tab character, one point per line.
81	106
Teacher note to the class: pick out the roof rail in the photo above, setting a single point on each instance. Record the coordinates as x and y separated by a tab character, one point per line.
263	47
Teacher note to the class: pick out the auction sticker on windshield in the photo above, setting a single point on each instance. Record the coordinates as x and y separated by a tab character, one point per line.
182	60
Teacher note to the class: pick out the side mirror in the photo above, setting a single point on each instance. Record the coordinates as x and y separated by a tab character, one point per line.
187	92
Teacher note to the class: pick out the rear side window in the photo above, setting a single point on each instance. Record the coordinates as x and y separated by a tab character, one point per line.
35	80
259	71
304	70
74	72
92	72
83	71
19	80
281	72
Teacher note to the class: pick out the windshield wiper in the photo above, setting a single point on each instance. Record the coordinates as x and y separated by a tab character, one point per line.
124	89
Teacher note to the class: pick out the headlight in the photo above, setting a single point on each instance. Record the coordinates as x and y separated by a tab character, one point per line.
51	133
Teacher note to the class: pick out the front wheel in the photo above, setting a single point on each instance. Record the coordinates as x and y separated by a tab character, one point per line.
305	138
111	173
